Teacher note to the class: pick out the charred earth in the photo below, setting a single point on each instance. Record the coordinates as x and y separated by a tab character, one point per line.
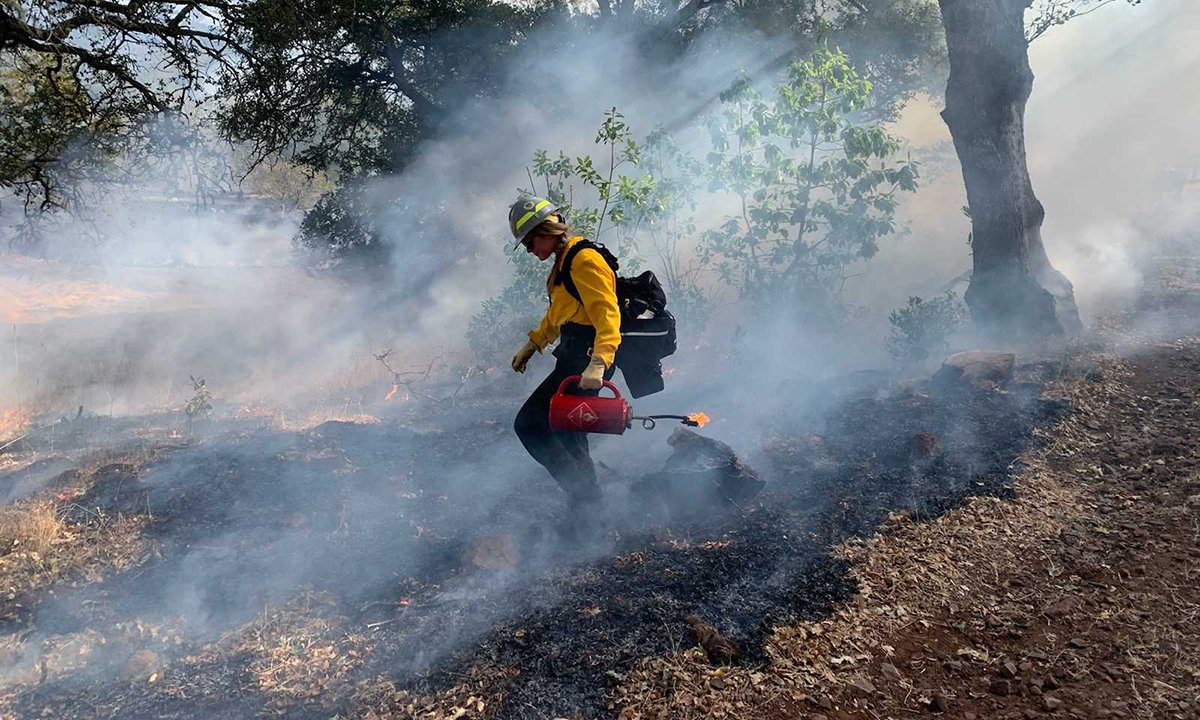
378	546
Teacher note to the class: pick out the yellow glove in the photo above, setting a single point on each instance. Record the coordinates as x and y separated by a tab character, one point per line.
521	359
593	375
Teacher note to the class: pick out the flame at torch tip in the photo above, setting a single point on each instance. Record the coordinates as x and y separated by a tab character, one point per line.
698	419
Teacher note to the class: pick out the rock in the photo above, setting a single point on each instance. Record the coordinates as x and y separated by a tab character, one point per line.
143	663
1008	670
493	552
823	702
938	703
700	473
1050	683
718	648
926	444
1077	643
1051	703
1000	687
889	671
1030	714
861	685
977	368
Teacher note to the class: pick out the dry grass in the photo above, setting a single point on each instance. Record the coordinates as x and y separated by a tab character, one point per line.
301	653
32	528
39	548
477	695
47	540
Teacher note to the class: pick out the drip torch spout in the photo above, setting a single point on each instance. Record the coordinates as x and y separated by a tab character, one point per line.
693	420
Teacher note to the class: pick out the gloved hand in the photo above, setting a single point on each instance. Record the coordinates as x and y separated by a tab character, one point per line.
593	374
521	359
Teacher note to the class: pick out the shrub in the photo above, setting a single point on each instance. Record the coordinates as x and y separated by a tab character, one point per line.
923	327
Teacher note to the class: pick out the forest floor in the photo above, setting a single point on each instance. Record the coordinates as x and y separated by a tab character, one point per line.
1078	597
1003	550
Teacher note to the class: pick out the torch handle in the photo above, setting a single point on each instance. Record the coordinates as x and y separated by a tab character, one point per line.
572	379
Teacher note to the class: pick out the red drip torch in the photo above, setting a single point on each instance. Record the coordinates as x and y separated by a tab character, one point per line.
611	415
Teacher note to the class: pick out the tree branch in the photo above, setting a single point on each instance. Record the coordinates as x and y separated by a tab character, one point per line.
690	8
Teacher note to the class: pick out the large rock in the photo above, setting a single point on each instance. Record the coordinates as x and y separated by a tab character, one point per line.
701	472
976	368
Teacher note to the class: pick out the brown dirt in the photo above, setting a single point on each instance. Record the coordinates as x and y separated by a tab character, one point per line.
1078	598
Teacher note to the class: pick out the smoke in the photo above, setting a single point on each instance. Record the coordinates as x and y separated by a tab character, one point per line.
174	293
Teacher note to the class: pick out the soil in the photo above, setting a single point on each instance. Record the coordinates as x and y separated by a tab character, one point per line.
986	551
370	516
1100	619
1075	598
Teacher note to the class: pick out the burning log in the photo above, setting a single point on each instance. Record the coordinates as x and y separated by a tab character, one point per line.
699	473
719	649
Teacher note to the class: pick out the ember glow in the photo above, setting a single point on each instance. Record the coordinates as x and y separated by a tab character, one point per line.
698	419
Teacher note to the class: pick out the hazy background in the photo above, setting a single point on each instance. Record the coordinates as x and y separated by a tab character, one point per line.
171	292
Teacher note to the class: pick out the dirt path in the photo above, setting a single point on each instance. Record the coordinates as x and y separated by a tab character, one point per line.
1080	598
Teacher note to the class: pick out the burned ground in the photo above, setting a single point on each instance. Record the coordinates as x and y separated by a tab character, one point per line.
1076	598
370	518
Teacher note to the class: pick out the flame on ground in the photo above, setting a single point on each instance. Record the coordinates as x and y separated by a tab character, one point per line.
392	394
698	419
12	423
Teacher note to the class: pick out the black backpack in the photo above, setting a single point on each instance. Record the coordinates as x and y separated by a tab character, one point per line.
647	329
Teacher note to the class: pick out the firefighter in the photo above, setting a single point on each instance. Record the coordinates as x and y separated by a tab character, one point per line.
588	333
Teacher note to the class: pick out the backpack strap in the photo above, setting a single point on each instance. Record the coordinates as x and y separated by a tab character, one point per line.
564	271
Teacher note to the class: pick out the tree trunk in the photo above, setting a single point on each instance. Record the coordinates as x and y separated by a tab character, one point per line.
1015	293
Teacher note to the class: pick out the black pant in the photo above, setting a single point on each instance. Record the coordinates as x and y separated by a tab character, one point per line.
564	454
